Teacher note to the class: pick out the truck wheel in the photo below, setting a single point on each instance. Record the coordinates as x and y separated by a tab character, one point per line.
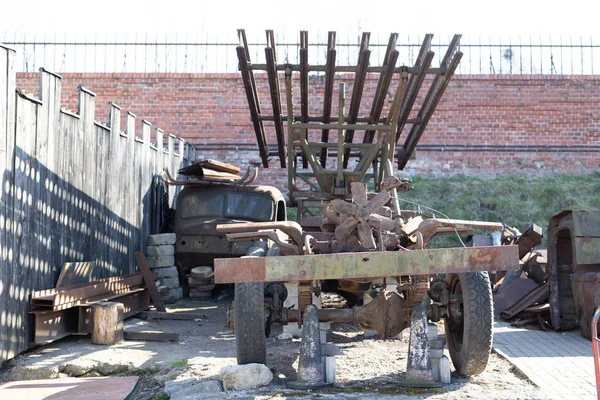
250	338
249	315
469	322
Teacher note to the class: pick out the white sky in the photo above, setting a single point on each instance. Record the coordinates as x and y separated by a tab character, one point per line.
471	18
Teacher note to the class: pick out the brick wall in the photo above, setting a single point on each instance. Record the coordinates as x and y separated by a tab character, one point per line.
484	125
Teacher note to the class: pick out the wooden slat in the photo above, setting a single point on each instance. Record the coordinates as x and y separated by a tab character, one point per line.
149	279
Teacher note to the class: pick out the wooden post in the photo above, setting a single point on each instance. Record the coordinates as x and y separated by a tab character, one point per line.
107	321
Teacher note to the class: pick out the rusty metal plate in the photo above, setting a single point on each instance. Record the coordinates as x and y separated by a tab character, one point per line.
366	265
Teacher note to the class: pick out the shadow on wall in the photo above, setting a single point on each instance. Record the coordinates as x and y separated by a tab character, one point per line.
53	223
72	190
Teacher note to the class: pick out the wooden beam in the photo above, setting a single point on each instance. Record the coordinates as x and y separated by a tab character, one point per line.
149	280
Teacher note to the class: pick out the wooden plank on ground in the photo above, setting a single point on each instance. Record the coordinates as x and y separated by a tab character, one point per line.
151	336
149	279
169	315
102	388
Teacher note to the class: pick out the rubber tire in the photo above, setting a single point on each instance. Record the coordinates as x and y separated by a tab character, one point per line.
470	348
250	338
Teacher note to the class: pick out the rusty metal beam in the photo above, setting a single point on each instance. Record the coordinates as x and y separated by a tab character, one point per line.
414	83
328	96
349	69
271	58
389	63
357	90
365	265
435	93
304	85
252	95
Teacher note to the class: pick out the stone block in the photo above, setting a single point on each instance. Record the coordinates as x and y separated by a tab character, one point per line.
158	251
161	239
162	261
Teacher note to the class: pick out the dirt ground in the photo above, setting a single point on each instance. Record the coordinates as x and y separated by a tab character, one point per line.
368	368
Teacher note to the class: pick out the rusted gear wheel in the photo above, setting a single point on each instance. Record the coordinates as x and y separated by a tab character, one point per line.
362	215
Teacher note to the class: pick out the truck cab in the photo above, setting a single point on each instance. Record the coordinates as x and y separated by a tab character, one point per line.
200	209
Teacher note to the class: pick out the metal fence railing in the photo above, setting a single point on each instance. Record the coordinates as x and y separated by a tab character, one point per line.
511	55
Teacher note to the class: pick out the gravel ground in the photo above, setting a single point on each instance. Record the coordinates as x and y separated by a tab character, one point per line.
368	368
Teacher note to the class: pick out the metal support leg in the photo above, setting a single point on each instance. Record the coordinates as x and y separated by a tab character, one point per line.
418	368
311	370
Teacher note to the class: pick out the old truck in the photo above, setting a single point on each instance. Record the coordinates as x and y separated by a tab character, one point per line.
352	236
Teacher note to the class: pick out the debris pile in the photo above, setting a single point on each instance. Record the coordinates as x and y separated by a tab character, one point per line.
161	260
66	310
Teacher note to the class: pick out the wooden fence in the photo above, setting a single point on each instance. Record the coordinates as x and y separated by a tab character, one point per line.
72	189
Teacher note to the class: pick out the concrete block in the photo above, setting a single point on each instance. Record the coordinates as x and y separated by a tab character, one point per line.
163	261
445	370
172	295
162	239
157	251
166	272
169	283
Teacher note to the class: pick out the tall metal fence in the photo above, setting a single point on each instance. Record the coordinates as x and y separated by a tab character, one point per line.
203	53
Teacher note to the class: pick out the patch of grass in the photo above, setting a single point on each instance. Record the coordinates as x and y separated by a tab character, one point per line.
140	372
516	201
179	364
162	396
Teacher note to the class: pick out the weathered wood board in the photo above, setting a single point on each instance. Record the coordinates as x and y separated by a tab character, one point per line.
73	190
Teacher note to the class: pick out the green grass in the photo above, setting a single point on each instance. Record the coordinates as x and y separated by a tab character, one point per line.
162	396
516	201
179	364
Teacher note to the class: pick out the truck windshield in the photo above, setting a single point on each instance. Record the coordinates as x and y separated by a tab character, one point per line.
246	206
249	207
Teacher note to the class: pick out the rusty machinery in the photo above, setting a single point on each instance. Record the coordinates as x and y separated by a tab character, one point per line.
348	240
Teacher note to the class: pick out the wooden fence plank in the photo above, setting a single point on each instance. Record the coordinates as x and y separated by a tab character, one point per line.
72	190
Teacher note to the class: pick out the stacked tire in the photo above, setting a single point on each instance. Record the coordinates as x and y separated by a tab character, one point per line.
160	255
201	282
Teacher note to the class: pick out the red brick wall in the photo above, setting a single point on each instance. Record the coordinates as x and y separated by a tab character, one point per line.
484	125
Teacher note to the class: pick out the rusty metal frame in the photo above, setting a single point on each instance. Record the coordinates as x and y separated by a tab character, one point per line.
365	265
329	183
